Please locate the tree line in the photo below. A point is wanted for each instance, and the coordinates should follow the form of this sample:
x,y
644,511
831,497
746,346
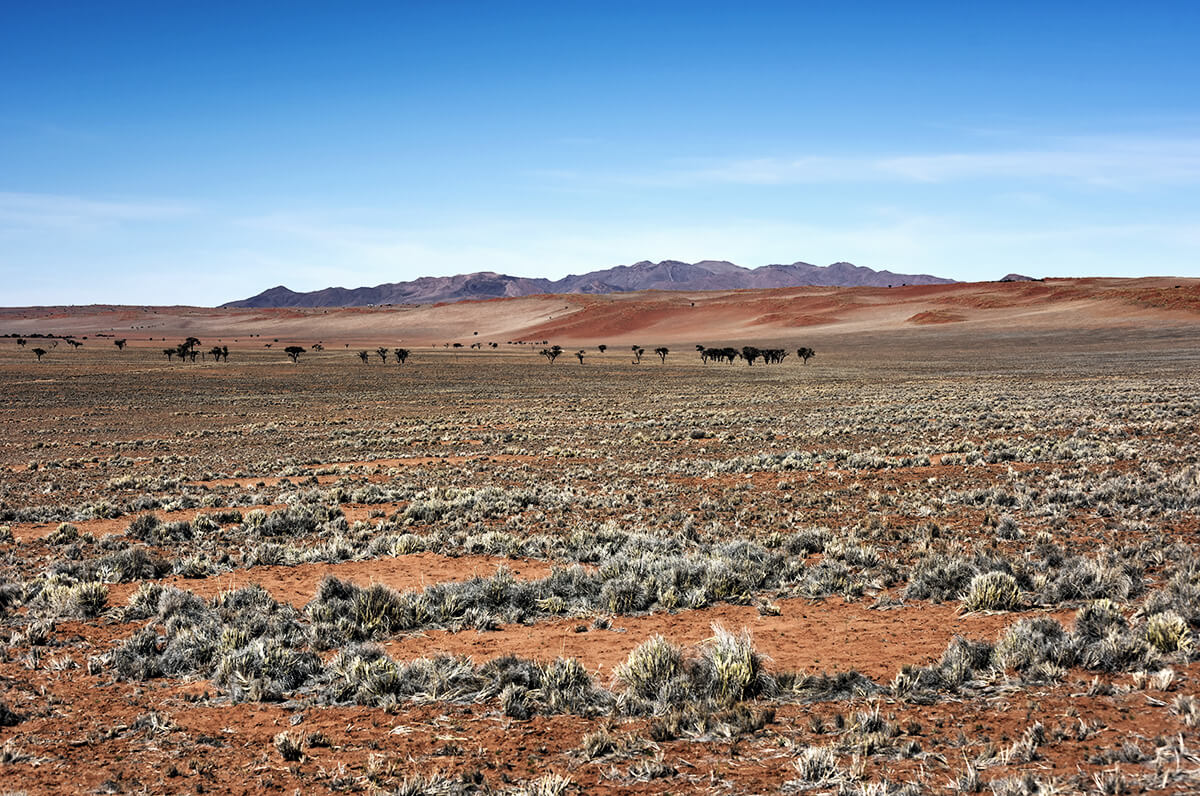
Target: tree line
x,y
751,354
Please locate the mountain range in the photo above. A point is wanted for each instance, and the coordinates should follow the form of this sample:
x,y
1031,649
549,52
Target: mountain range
x,y
645,275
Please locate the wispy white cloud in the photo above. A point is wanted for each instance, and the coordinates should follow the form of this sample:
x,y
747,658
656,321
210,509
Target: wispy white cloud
x,y
1117,162
56,211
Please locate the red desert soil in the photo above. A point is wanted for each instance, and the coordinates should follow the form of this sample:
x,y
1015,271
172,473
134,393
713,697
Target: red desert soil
x,y
26,531
297,585
650,316
831,635
228,748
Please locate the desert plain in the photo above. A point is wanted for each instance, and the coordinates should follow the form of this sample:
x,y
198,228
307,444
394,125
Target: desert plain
x,y
953,552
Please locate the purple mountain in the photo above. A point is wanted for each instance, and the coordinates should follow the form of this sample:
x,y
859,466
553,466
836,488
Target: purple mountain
x,y
666,275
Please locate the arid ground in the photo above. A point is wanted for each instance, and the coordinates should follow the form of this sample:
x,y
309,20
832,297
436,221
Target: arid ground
x,y
956,551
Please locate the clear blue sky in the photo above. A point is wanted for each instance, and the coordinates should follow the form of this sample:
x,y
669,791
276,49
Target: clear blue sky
x,y
171,152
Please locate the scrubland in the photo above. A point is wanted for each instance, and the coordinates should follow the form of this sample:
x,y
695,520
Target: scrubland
x,y
923,562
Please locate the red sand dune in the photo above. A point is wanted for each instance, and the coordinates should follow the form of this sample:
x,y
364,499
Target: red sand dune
x,y
937,316
652,316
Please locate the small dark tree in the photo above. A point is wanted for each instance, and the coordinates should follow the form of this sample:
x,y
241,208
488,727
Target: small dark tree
x,y
551,353
21,341
382,352
294,351
602,348
364,356
41,352
401,355
805,353
662,352
170,352
225,352
216,353
637,354
579,356
318,347
750,353
120,344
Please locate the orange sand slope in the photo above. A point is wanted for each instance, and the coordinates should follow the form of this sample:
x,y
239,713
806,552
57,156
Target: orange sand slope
x,y
665,317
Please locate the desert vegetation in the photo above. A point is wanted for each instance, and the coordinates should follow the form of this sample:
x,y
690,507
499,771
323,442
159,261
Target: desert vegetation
x,y
903,568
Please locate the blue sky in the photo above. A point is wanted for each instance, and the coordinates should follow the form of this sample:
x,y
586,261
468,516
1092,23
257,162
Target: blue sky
x,y
169,152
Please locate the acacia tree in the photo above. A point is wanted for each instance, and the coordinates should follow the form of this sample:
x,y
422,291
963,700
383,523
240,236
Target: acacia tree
x,y
41,352
21,341
602,348
805,353
170,352
662,352
120,344
579,355
750,353
364,356
294,351
401,354
552,353
383,352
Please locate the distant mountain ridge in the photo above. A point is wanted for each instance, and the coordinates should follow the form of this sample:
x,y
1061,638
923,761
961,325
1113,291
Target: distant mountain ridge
x,y
645,275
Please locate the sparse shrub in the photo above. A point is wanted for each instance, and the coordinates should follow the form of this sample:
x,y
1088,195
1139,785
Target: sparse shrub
x,y
1168,632
289,747
88,600
1086,579
650,769
1187,708
552,784
992,591
824,687
515,702
597,744
938,578
81,600
730,670
9,718
652,670
568,688
817,764
1096,620
66,533
1033,641
264,670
